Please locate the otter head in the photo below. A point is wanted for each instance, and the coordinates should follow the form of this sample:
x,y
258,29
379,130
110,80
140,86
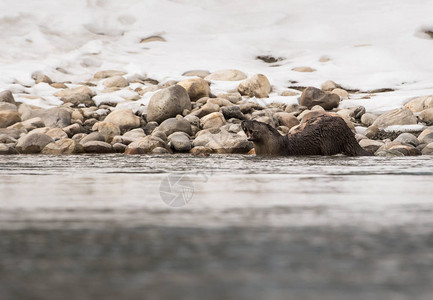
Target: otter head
x,y
267,140
254,130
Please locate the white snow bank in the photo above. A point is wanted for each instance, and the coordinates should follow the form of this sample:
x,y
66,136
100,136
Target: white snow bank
x,y
371,44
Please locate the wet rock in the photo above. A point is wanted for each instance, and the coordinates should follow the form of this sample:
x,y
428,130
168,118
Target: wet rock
x,y
76,96
6,96
93,136
227,75
107,129
303,69
9,117
108,73
399,116
426,116
172,125
407,150
64,146
286,119
116,82
222,141
201,151
198,73
180,142
7,149
407,139
54,117
313,96
125,119
145,145
168,103
420,103
389,153
160,150
232,112
329,85
426,136
97,147
213,120
256,86
196,88
428,149
119,148
33,143
370,145
368,119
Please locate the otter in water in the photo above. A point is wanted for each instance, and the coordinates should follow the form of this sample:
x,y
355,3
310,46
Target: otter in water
x,y
321,135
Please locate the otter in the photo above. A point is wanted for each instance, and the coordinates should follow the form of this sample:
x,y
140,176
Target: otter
x,y
321,135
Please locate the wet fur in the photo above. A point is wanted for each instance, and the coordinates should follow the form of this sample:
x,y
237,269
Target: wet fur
x,y
322,135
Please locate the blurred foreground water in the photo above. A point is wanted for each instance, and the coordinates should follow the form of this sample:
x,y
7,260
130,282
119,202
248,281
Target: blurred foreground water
x,y
90,226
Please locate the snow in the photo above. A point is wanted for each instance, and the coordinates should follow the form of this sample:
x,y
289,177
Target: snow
x,y
371,44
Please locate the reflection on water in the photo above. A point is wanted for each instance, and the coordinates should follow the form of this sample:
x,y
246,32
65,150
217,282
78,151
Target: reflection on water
x,y
254,228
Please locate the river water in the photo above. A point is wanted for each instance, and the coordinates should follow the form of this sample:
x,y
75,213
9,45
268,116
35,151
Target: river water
x,y
218,227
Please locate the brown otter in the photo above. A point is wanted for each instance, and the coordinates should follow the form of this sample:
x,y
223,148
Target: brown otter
x,y
321,135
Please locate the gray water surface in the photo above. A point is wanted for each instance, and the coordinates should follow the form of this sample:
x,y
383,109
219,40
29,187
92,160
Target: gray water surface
x,y
97,226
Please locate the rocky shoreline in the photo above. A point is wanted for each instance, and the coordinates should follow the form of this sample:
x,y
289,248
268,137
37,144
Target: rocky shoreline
x,y
186,117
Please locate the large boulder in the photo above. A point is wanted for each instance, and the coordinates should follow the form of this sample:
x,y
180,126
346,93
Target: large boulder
x,y
168,103
407,138
9,117
54,117
426,136
222,141
399,116
6,96
125,119
172,125
33,143
64,146
227,75
428,150
76,96
420,103
256,86
312,96
196,88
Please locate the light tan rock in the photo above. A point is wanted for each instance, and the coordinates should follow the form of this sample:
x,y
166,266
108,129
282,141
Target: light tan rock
x,y
198,73
340,92
76,96
9,117
108,73
63,146
303,69
116,82
370,145
368,119
420,103
286,119
33,143
107,129
125,119
329,85
426,116
256,86
227,75
213,120
399,116
168,103
196,88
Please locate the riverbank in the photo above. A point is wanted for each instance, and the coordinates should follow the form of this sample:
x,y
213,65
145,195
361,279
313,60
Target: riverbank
x,y
200,114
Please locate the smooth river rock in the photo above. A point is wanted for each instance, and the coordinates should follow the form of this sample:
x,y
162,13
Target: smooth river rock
x,y
33,143
196,88
257,86
168,103
312,96
399,116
